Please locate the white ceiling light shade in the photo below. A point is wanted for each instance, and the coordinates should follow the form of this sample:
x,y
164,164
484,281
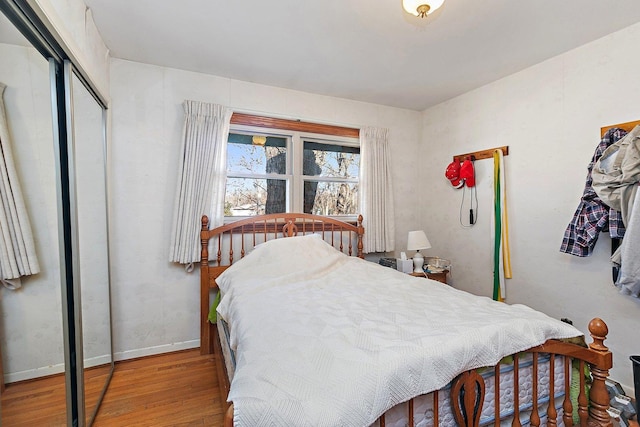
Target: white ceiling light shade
x,y
421,8
259,140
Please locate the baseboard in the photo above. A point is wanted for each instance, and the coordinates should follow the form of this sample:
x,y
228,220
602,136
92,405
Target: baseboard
x,y
31,374
152,351
46,371
97,361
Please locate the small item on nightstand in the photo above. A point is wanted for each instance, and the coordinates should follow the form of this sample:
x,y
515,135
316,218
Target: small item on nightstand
x,y
415,241
403,264
436,264
388,262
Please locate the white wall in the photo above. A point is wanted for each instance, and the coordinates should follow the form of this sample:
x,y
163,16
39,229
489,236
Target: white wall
x,y
550,117
155,303
73,21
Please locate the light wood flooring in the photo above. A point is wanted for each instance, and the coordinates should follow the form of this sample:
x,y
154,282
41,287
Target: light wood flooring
x,y
173,389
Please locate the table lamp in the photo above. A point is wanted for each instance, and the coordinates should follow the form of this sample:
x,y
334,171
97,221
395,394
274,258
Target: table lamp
x,y
417,240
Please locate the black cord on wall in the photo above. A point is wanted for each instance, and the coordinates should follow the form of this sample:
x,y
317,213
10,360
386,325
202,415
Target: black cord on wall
x,y
473,211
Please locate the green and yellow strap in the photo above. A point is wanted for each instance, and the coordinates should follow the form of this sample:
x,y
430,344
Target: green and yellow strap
x,y
501,255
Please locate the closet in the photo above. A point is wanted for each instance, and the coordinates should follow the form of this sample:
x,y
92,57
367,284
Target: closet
x,y
58,323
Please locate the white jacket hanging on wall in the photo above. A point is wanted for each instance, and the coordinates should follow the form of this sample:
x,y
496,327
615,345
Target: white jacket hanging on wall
x,y
616,176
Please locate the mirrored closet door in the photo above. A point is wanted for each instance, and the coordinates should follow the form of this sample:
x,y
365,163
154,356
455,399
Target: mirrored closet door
x,y
89,162
31,332
55,332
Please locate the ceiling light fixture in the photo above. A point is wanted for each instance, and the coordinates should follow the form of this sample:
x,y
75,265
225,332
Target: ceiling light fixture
x,y
421,8
259,140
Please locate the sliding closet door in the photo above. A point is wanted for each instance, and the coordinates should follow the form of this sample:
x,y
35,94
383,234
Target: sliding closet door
x,y
31,326
87,159
59,320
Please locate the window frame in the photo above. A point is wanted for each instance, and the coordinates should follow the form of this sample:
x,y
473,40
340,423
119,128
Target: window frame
x,y
289,167
296,133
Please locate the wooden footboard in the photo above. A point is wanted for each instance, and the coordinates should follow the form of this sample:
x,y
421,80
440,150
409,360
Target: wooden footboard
x,y
468,389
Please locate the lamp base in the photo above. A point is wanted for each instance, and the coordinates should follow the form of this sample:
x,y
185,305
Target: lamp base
x,y
418,262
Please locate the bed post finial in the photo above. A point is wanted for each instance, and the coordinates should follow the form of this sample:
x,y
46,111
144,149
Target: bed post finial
x,y
599,331
599,396
205,223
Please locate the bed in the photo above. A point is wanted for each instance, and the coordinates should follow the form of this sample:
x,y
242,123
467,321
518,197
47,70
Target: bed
x,y
315,335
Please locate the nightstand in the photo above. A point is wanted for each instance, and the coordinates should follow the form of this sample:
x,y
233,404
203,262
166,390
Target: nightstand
x,y
440,277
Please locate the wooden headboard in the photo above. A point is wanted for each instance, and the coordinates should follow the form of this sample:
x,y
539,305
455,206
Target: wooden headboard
x,y
233,241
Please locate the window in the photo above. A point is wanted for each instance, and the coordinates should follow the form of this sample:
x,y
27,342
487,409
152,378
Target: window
x,y
257,174
330,178
275,170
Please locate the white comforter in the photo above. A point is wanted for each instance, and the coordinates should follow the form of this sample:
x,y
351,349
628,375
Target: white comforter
x,y
323,339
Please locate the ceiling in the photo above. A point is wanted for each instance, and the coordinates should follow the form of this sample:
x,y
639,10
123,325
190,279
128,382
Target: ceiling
x,y
9,34
368,51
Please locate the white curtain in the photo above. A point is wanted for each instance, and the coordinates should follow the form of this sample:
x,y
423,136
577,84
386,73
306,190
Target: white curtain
x,y
17,248
376,190
201,178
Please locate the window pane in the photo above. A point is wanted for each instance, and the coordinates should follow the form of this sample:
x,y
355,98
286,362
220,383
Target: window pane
x,y
249,196
330,160
330,198
245,156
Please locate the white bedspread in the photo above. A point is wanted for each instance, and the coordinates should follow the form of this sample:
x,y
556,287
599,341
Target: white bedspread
x,y
323,339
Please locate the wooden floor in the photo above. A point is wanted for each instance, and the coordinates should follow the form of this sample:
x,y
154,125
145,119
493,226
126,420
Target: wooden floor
x,y
173,389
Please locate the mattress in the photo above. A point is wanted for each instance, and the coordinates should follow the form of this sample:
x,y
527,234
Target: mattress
x,y
227,353
424,405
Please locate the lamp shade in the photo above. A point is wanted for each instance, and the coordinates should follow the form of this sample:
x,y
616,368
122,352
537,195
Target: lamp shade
x,y
417,7
417,240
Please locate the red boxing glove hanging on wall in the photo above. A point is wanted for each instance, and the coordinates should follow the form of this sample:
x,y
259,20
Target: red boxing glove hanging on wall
x,y
453,174
467,173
